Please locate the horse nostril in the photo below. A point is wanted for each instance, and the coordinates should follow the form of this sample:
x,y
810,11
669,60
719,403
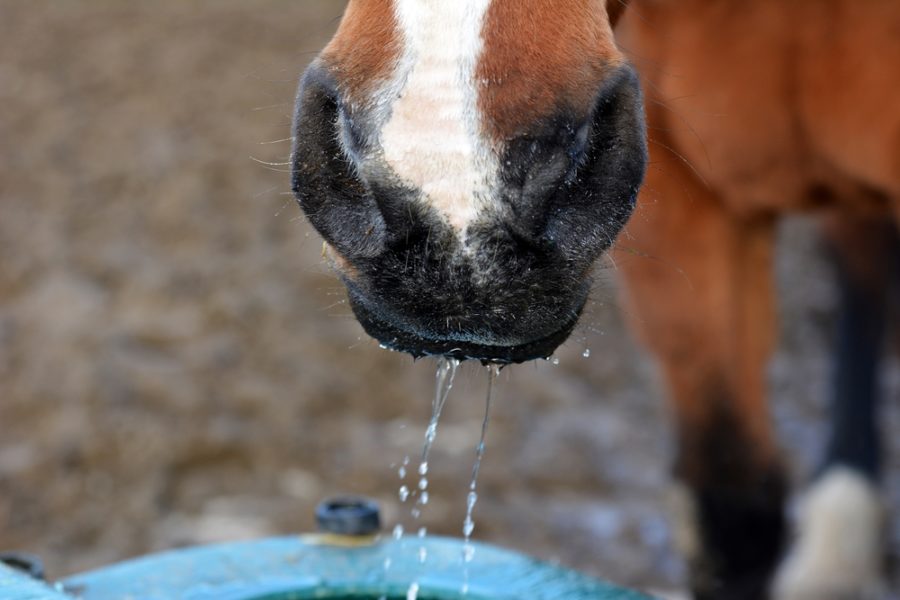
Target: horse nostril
x,y
599,193
352,134
336,200
534,167
576,178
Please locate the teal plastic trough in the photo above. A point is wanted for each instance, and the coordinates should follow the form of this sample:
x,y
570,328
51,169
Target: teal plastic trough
x,y
323,566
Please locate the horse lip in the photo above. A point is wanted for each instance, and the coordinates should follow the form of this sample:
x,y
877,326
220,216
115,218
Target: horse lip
x,y
395,338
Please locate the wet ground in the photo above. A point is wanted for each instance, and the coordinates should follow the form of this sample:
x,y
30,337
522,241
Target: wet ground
x,y
177,366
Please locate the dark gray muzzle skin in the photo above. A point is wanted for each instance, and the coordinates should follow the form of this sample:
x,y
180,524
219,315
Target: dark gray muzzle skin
x,y
516,290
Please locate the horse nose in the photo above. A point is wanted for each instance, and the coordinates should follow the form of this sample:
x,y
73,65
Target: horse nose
x,y
511,285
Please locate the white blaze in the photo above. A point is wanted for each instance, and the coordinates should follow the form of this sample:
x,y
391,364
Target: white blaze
x,y
432,138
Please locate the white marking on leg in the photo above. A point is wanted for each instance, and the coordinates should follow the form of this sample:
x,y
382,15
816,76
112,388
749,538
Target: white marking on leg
x,y
685,523
839,550
432,138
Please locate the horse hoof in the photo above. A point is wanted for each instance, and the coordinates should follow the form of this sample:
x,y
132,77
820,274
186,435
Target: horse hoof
x,y
838,552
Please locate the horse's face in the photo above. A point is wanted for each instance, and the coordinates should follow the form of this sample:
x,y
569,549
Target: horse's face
x,y
466,162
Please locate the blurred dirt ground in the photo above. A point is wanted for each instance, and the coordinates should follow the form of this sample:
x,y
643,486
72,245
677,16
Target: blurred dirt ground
x,y
178,367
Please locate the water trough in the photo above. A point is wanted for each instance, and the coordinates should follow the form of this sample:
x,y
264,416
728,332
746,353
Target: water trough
x,y
327,566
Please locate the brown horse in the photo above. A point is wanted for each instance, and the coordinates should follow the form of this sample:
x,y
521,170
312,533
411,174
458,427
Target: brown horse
x,y
468,161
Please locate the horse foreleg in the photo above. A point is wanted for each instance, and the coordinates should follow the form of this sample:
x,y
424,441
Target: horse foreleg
x,y
699,290
839,549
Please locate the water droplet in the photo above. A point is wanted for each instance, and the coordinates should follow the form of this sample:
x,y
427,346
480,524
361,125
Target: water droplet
x,y
402,472
413,592
471,500
423,554
416,513
403,493
423,484
554,360
586,353
423,497
468,527
398,532
423,468
468,553
423,531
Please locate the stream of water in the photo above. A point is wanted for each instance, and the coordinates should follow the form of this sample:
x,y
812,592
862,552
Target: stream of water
x,y
444,377
472,497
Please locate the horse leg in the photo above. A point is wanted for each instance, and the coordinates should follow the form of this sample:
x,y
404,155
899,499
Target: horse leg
x,y
839,549
698,287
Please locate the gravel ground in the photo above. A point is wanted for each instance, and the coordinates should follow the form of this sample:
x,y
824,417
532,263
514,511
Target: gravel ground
x,y
177,366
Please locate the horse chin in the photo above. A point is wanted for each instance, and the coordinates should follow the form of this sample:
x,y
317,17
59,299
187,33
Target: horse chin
x,y
402,338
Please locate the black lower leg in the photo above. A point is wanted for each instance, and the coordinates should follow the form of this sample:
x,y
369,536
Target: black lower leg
x,y
854,440
739,502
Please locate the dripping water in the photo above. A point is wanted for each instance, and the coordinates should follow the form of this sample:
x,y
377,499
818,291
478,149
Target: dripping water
x,y
413,592
472,496
444,376
446,373
403,493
